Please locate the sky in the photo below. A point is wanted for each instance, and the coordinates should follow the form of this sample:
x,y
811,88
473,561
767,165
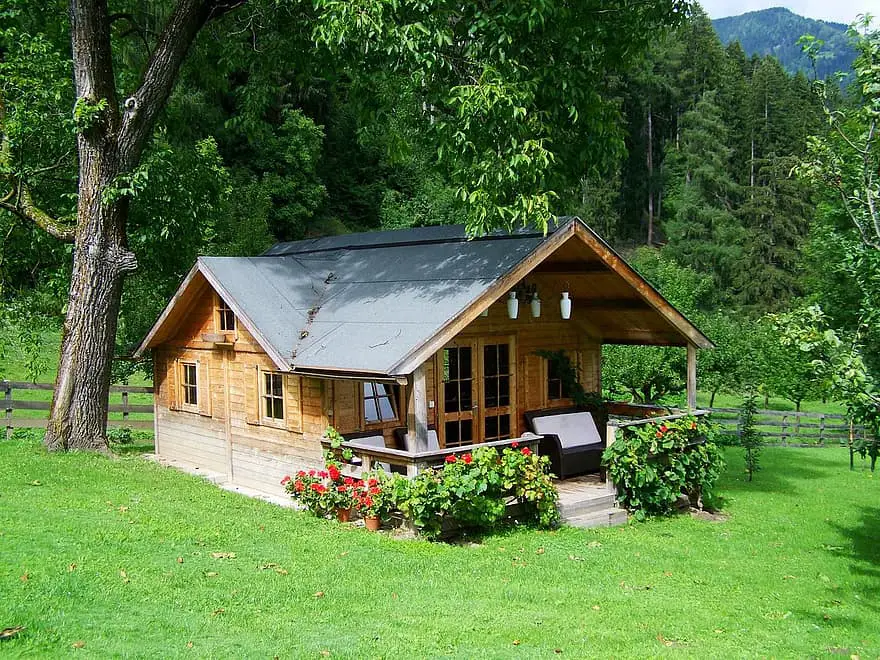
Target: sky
x,y
839,11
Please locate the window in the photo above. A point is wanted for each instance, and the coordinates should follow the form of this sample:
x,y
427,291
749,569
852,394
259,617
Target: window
x,y
457,379
557,385
225,317
273,395
190,384
380,403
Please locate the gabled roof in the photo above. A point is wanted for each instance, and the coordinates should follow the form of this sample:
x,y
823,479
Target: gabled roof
x,y
380,303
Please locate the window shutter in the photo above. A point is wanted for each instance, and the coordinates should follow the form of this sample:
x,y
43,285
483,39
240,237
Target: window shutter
x,y
203,367
173,390
252,395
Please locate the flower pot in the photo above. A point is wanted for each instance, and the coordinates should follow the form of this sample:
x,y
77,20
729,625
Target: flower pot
x,y
372,523
343,515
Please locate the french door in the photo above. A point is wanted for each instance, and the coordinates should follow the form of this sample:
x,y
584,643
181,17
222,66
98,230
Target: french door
x,y
477,391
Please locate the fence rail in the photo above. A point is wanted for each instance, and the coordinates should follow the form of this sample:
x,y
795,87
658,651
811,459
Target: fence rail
x,y
10,404
789,428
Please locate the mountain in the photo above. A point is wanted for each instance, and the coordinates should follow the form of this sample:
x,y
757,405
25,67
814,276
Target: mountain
x,y
776,32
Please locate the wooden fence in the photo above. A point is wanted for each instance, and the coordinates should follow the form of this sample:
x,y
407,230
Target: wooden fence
x,y
10,404
794,428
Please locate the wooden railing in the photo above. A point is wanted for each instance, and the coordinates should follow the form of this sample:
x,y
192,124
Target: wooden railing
x,y
786,428
10,404
414,462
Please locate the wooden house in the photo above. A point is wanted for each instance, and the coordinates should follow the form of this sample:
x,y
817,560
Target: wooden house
x,y
255,356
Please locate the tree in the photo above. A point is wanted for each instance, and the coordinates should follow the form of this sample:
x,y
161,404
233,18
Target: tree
x,y
111,134
749,436
513,101
843,163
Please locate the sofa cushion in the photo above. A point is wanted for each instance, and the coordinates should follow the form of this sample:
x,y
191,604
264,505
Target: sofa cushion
x,y
576,429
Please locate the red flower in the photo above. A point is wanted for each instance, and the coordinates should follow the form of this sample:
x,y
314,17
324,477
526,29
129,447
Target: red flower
x,y
467,458
299,486
659,434
285,480
301,473
367,501
334,473
311,473
526,451
322,474
372,483
450,458
514,444
348,481
374,491
664,428
342,489
318,488
693,425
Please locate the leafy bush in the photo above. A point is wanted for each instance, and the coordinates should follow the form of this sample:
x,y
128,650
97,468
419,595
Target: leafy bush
x,y
749,436
653,464
474,489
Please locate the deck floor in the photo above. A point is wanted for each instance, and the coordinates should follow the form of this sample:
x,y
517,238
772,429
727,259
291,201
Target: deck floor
x,y
578,489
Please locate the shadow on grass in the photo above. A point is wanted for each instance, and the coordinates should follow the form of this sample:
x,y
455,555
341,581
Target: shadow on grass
x,y
864,550
774,479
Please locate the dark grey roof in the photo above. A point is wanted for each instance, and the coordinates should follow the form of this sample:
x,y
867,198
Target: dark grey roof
x,y
331,304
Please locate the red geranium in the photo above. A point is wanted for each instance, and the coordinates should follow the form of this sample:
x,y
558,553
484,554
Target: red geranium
x,y
372,483
299,486
322,474
348,481
664,428
514,444
334,473
285,480
451,458
467,458
311,473
526,451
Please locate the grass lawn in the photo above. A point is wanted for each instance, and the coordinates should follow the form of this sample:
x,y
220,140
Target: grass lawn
x,y
116,554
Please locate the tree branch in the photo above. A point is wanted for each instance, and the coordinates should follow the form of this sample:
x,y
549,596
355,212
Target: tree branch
x,y
22,205
143,107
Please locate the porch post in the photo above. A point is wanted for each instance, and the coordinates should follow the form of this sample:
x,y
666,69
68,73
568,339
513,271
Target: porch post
x,y
691,377
417,410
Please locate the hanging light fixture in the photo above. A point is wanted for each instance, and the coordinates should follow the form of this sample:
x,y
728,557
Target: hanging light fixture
x,y
536,306
512,305
565,306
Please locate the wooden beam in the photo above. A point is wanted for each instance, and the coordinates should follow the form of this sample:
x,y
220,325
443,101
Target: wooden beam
x,y
653,297
572,267
691,377
611,304
417,410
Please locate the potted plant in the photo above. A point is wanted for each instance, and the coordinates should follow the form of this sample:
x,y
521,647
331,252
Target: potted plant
x,y
374,500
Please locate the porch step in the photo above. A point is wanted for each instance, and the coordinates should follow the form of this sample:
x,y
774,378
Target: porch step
x,y
570,507
609,517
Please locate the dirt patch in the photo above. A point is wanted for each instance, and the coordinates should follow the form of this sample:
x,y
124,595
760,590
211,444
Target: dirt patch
x,y
709,516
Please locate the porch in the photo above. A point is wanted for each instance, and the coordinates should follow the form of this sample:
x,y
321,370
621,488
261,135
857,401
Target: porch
x,y
585,500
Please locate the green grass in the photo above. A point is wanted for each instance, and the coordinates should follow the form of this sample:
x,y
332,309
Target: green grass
x,y
90,550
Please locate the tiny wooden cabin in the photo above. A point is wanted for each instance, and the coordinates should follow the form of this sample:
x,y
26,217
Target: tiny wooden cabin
x,y
255,357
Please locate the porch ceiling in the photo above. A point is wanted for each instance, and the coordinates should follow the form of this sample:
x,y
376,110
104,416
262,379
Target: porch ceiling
x,y
602,298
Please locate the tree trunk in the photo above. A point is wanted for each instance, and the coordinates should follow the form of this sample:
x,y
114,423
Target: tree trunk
x,y
109,144
650,165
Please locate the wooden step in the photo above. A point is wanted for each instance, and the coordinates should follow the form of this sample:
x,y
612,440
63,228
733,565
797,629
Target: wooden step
x,y
610,517
571,507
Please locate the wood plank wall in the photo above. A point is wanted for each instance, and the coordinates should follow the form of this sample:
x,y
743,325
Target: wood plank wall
x,y
259,450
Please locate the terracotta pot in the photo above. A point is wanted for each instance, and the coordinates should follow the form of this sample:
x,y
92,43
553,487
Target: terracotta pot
x,y
343,515
372,524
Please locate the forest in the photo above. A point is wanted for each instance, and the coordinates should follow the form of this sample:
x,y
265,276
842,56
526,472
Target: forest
x,y
748,195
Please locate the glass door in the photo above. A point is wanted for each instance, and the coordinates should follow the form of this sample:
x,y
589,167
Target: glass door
x,y
459,404
477,392
497,407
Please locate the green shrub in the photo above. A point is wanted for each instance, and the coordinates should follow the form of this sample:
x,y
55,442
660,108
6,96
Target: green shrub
x,y
473,490
653,464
